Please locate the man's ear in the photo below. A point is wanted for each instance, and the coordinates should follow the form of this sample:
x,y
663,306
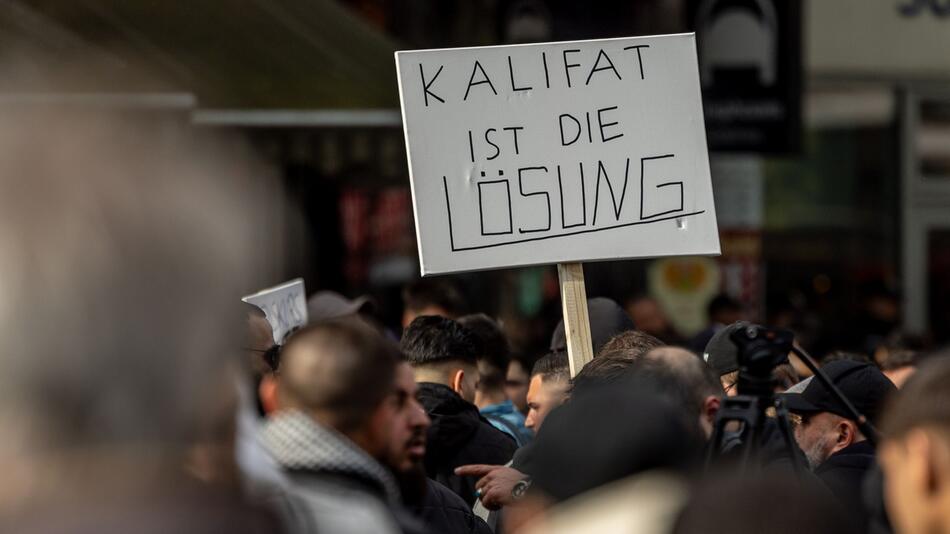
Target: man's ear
x,y
267,391
847,434
456,381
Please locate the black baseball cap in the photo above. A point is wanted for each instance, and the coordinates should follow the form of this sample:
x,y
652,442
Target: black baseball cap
x,y
862,383
721,352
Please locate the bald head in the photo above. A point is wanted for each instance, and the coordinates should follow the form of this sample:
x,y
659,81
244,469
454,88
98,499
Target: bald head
x,y
690,367
687,378
338,372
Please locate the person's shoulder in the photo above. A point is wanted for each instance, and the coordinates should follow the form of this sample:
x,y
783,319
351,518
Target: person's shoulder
x,y
334,507
438,495
447,511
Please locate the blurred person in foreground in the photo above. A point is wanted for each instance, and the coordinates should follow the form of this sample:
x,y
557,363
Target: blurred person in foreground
x,y
493,361
443,357
346,410
837,451
431,296
915,453
770,502
439,509
125,242
591,474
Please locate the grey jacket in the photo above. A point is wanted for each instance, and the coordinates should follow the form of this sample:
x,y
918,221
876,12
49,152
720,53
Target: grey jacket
x,y
333,485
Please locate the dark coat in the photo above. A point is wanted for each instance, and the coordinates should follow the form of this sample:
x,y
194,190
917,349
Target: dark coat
x,y
459,435
442,511
844,474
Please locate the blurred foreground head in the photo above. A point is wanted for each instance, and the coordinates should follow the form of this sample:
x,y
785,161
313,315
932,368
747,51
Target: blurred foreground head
x,y
125,243
767,502
915,454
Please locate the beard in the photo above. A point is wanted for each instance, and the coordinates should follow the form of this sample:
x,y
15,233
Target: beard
x,y
819,451
413,484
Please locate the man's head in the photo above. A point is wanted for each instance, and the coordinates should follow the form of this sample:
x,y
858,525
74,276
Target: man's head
x,y
695,383
647,314
722,354
493,357
407,444
550,382
915,454
897,363
629,345
518,378
826,425
431,296
607,319
723,309
348,377
442,351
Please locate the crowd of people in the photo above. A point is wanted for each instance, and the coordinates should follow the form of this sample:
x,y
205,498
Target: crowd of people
x,y
439,429
137,396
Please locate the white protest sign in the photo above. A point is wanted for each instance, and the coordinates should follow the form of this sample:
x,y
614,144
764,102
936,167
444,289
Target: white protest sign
x,y
284,306
557,152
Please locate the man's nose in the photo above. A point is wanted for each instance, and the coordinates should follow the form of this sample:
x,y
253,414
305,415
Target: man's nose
x,y
420,418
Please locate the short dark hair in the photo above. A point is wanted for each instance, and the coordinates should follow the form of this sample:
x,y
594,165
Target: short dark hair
x,y
553,366
629,345
341,369
602,370
897,358
431,339
491,347
440,292
923,401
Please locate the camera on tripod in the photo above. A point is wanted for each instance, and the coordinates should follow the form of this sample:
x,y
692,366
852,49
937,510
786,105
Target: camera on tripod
x,y
760,350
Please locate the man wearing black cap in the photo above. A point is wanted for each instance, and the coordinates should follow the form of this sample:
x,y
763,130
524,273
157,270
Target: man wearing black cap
x,y
722,354
607,319
831,440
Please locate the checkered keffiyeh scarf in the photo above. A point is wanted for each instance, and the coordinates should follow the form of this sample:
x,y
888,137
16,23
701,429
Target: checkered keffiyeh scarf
x,y
297,442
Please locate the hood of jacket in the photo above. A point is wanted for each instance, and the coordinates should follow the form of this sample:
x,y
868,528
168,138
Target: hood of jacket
x,y
454,420
298,443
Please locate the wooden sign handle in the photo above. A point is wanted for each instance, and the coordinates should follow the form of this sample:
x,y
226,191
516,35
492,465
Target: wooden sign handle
x,y
576,320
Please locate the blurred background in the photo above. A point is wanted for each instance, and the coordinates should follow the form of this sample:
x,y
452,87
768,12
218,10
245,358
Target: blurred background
x,y
828,123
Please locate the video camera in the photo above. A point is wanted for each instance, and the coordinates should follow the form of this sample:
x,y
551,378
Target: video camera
x,y
760,350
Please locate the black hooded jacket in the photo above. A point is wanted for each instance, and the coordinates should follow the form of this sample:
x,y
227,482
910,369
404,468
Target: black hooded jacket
x,y
459,435
844,471
445,512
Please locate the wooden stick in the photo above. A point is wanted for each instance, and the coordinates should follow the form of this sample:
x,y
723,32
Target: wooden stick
x,y
576,320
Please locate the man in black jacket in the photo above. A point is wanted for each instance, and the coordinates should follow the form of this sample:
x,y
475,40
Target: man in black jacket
x,y
836,449
442,354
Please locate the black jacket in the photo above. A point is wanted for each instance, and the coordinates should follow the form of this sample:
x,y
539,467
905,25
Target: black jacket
x,y
445,512
459,435
844,474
